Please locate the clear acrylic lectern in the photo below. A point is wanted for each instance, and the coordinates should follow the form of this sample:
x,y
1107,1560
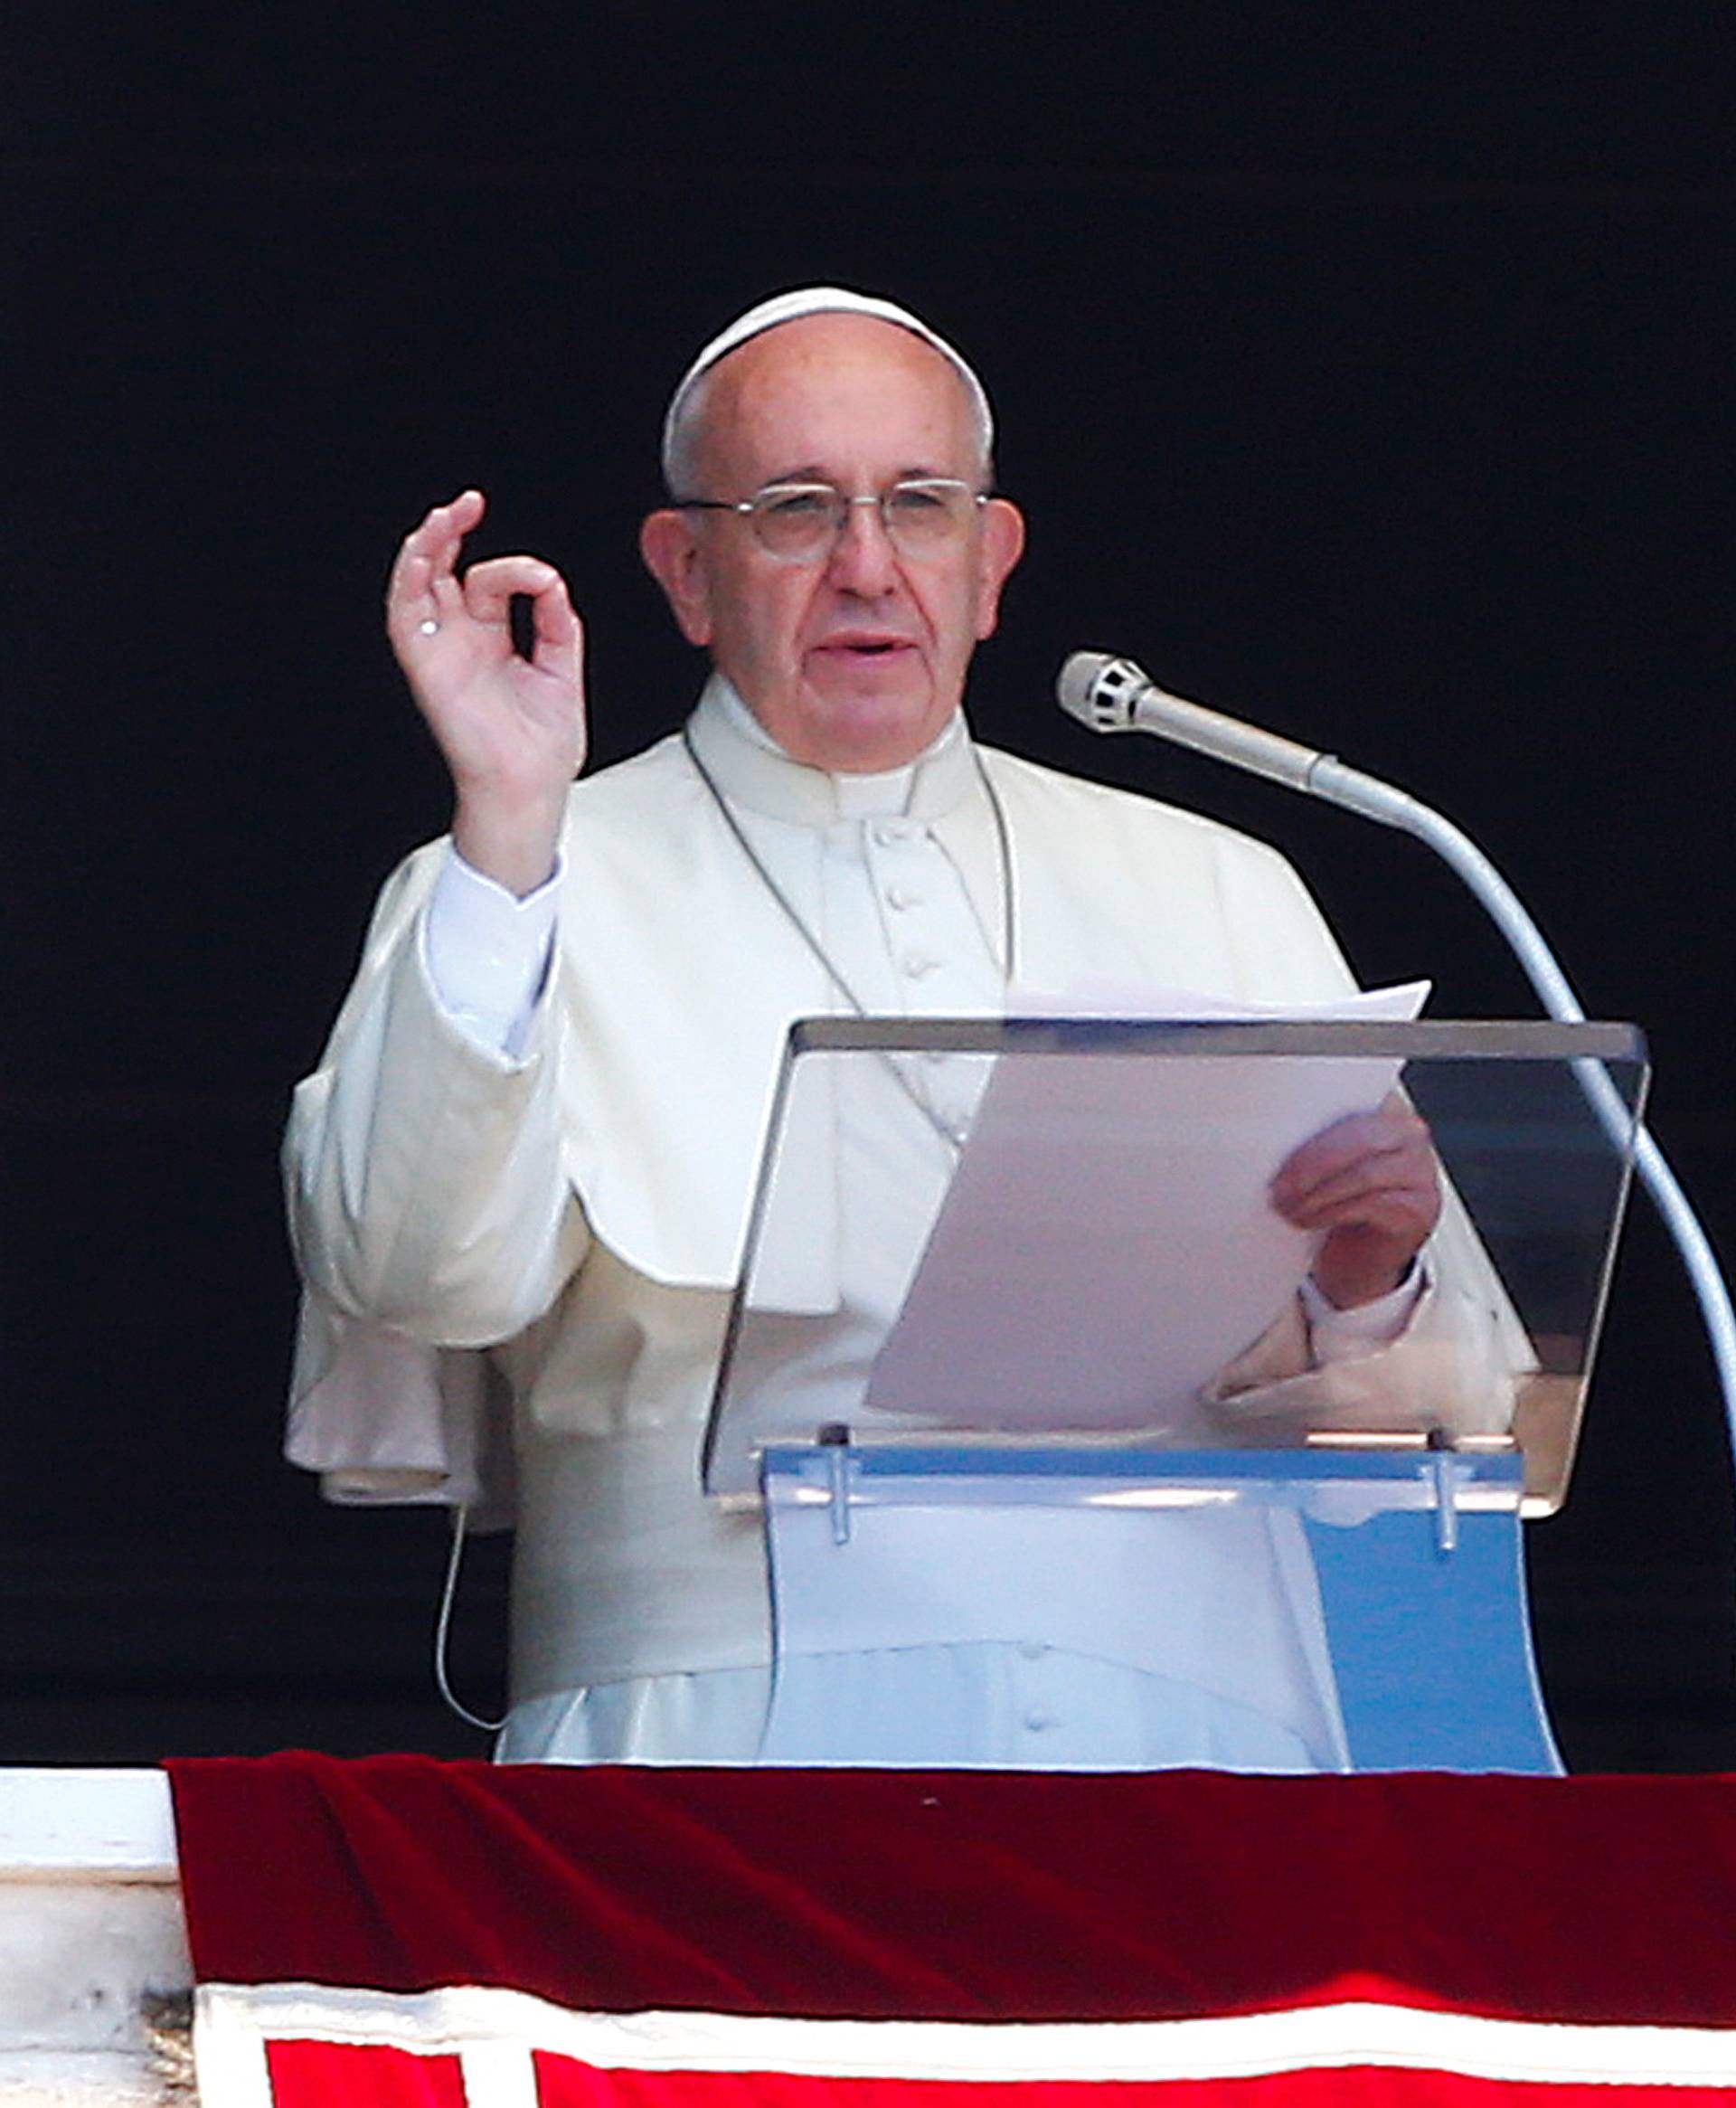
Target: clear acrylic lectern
x,y
1019,1359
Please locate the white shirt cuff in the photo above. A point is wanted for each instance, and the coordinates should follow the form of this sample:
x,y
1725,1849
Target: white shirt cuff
x,y
1336,1335
488,953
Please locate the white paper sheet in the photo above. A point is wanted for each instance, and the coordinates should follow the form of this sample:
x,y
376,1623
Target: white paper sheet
x,y
1107,1244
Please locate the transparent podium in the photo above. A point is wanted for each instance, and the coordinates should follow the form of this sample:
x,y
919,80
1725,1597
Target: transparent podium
x,y
1060,1463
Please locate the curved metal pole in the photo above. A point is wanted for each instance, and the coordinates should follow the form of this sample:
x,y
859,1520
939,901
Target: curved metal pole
x,y
1333,780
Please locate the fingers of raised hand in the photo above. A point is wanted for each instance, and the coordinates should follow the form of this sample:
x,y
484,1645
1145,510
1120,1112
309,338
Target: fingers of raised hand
x,y
423,586
558,629
490,589
419,597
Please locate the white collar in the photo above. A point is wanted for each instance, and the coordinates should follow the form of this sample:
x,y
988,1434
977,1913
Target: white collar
x,y
752,769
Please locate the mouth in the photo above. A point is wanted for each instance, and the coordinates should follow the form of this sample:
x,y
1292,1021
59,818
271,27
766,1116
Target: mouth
x,y
864,647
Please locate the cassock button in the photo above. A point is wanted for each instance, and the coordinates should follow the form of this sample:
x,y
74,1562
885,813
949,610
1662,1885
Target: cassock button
x,y
901,896
918,963
1036,1722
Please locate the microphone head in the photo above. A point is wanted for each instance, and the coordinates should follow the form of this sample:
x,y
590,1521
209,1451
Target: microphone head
x,y
1100,690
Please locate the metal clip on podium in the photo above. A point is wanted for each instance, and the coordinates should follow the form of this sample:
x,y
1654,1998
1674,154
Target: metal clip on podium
x,y
1016,1358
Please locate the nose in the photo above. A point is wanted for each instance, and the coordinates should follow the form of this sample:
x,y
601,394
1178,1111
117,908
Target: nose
x,y
864,560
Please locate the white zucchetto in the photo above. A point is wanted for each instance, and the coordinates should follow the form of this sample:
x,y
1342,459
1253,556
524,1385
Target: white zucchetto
x,y
792,307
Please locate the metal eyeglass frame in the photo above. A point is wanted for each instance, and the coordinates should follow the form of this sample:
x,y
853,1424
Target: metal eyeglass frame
x,y
756,510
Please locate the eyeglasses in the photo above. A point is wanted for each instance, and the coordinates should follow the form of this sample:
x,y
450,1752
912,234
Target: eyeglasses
x,y
923,516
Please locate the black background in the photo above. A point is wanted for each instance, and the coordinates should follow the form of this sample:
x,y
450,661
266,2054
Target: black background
x,y
1362,369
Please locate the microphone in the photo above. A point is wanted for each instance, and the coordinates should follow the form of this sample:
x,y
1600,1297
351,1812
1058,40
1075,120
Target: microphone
x,y
1113,695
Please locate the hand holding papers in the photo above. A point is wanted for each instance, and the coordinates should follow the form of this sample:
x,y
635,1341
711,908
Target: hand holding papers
x,y
1108,1240
1369,1187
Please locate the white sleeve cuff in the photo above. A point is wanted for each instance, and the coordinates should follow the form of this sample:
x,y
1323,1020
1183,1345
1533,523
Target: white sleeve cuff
x,y
488,953
1336,1335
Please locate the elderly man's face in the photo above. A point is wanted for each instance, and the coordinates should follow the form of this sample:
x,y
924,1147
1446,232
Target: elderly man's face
x,y
855,658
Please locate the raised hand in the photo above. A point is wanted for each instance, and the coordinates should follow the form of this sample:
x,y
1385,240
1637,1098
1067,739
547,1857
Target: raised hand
x,y
1372,1184
512,730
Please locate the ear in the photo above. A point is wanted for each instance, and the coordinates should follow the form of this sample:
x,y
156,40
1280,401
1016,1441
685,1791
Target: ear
x,y
1002,545
673,557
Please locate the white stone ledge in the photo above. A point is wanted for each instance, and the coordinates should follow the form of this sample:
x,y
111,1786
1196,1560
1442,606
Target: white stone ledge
x,y
92,1942
35,2081
101,1825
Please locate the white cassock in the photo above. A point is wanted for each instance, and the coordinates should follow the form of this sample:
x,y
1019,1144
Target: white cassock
x,y
559,1175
